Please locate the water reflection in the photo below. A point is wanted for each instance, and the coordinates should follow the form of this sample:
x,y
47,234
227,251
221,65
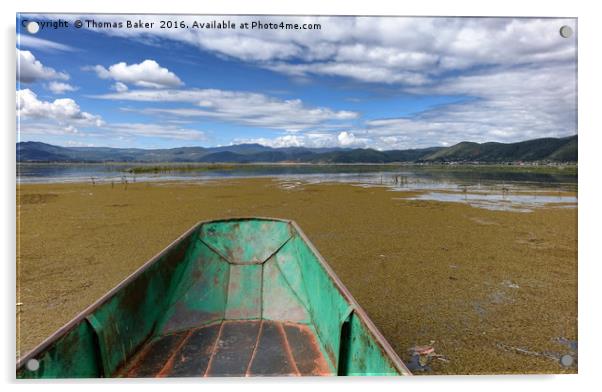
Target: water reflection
x,y
501,201
400,176
496,188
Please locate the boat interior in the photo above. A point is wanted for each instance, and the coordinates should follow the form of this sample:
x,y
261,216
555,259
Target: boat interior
x,y
241,297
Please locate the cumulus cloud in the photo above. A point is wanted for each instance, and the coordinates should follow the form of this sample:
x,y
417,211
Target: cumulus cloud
x,y
493,111
546,107
251,109
63,117
145,74
514,78
344,139
60,87
63,111
398,50
29,69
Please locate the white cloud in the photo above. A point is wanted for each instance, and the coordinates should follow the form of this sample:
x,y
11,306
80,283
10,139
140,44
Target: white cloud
x,y
63,117
60,87
519,73
42,44
39,127
346,138
63,111
119,87
251,109
164,131
546,107
71,129
402,50
310,139
277,142
145,74
362,72
29,69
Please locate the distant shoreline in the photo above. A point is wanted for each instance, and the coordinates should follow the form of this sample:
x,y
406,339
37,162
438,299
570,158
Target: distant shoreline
x,y
164,167
561,150
127,172
521,164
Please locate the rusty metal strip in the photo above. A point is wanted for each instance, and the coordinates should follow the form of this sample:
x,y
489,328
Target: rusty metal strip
x,y
154,356
287,349
169,364
248,371
214,350
237,342
130,365
316,364
193,358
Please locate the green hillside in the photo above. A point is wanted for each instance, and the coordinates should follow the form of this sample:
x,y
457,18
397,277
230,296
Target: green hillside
x,y
547,149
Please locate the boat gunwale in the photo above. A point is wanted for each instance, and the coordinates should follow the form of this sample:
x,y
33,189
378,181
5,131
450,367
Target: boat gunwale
x,y
357,309
363,316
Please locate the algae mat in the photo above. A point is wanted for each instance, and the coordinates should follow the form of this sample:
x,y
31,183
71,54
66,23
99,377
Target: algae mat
x,y
492,291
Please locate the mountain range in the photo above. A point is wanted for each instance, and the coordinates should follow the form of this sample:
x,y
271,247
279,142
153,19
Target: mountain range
x,y
545,149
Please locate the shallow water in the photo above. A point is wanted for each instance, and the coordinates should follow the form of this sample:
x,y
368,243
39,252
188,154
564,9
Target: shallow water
x,y
509,194
493,188
501,201
401,175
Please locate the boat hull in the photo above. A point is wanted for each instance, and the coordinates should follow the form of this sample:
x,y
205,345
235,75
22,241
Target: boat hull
x,y
236,297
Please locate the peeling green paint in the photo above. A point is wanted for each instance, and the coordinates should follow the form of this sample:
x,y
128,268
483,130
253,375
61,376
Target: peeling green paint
x,y
240,269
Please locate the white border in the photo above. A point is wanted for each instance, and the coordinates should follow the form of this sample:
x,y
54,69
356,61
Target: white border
x,y
589,184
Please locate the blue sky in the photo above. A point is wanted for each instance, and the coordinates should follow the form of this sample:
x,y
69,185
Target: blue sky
x,y
382,83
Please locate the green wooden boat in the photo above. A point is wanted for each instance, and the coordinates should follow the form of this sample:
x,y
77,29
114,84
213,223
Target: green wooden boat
x,y
236,297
